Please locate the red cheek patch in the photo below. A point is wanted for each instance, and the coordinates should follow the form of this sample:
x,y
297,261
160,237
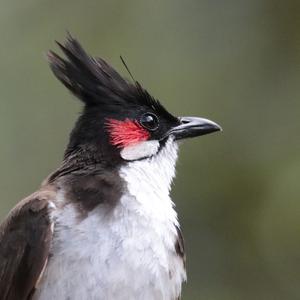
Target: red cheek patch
x,y
125,133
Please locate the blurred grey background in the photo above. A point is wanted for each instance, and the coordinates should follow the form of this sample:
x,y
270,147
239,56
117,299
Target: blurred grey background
x,y
236,62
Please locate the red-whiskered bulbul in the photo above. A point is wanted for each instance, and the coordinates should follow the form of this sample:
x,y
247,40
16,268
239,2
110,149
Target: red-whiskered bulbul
x,y
103,225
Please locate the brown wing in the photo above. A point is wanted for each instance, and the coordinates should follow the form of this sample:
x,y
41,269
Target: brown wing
x,y
25,238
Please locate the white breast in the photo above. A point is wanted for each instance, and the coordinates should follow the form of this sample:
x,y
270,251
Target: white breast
x,y
127,253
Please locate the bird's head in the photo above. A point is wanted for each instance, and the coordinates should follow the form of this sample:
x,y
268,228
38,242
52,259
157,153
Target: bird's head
x,y
121,121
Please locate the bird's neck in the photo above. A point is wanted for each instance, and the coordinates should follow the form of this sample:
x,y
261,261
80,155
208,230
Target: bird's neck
x,y
147,181
153,175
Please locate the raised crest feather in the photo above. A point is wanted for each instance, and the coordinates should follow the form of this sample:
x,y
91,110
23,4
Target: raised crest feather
x,y
94,81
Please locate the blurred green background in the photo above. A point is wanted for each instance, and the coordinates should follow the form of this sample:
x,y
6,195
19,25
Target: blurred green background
x,y
236,62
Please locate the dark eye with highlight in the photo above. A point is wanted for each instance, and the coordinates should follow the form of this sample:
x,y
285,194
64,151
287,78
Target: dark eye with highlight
x,y
149,121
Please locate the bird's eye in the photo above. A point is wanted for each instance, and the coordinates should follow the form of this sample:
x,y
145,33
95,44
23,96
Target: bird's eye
x,y
149,121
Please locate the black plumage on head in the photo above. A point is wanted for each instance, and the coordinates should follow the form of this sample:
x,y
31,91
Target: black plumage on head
x,y
94,81
106,95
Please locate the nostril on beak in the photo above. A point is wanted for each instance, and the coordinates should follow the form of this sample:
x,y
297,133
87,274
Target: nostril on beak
x,y
184,120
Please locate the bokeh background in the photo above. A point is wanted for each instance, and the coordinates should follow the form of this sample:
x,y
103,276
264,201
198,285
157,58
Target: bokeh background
x,y
236,62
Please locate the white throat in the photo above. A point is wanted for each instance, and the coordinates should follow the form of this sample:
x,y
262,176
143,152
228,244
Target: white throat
x,y
152,176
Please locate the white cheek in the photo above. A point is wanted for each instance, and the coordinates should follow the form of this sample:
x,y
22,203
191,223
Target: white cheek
x,y
140,150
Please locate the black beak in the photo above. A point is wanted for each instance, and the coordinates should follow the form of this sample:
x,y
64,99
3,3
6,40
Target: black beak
x,y
192,126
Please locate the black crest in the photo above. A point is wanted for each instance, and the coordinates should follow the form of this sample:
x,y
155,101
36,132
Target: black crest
x,y
94,81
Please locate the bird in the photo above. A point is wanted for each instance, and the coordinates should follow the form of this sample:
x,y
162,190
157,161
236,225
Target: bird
x,y
103,224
